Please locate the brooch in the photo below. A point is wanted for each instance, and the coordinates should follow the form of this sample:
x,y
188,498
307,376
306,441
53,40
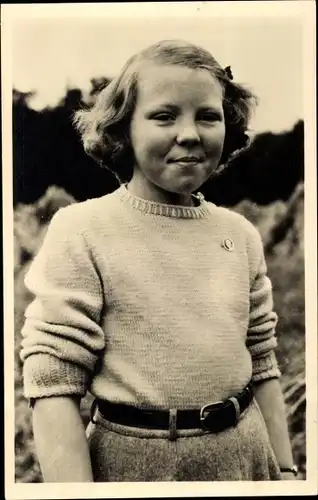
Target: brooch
x,y
228,244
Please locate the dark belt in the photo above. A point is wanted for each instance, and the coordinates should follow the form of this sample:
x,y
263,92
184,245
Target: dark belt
x,y
213,417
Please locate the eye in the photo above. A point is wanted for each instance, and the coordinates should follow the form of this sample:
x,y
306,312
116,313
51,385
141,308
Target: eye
x,y
163,116
209,116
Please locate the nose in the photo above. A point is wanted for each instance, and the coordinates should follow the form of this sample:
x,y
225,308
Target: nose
x,y
188,133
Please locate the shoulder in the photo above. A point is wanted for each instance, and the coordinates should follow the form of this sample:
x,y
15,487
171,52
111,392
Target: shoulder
x,y
237,224
72,238
84,217
236,220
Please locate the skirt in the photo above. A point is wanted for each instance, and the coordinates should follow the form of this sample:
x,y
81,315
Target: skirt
x,y
240,453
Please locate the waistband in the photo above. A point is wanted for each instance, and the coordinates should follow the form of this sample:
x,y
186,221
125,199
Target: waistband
x,y
212,417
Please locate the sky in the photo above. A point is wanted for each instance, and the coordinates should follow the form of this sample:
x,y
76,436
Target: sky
x,y
51,54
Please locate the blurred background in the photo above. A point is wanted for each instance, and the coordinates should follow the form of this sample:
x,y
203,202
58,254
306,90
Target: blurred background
x,y
61,64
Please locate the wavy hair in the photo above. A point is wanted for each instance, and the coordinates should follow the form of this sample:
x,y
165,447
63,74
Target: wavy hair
x,y
104,127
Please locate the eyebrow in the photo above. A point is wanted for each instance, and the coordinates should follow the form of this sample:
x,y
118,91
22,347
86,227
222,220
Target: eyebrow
x,y
212,109
173,107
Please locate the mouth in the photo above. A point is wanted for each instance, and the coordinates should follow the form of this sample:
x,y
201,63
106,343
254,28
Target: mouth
x,y
187,160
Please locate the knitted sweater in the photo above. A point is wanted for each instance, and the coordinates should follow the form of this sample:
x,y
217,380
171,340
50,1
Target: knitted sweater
x,y
145,303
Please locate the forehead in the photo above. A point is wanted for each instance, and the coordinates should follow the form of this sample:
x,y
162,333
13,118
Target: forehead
x,y
180,84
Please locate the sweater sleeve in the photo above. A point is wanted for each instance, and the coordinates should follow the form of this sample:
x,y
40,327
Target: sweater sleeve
x,y
62,337
261,339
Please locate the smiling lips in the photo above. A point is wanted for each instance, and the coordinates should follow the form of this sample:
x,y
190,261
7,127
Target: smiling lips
x,y
187,160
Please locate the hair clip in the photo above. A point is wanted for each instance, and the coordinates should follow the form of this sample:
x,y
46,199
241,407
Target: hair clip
x,y
228,72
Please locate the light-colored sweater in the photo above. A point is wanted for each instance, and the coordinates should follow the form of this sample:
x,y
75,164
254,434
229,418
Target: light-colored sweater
x,y
142,303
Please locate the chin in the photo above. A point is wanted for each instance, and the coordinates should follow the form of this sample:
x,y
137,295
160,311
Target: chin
x,y
187,187
177,189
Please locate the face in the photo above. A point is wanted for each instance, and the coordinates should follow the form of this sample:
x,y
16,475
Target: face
x,y
177,129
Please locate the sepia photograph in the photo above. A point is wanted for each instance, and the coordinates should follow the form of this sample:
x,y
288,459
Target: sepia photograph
x,y
159,174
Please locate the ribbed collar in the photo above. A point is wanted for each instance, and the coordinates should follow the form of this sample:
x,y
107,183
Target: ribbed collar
x,y
166,210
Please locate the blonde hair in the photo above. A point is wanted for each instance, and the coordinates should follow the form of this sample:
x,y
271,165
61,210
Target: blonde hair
x,y
104,128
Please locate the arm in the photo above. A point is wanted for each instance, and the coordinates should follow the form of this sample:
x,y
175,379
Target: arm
x,y
62,340
60,440
261,342
62,335
270,399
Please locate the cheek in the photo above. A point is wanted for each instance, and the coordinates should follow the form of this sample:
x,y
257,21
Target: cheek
x,y
214,141
156,143
147,138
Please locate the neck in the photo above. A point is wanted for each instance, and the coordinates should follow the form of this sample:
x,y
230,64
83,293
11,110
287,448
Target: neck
x,y
149,192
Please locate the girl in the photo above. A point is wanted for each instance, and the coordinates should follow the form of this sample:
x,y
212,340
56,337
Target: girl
x,y
154,300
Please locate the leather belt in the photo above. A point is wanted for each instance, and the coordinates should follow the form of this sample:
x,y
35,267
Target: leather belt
x,y
213,417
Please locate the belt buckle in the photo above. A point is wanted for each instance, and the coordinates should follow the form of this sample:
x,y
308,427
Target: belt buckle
x,y
206,411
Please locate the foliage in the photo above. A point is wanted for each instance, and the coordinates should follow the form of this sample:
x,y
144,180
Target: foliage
x,y
47,151
26,464
267,171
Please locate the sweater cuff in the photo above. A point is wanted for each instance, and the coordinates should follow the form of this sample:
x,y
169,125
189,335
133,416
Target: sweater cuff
x,y
265,367
46,375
